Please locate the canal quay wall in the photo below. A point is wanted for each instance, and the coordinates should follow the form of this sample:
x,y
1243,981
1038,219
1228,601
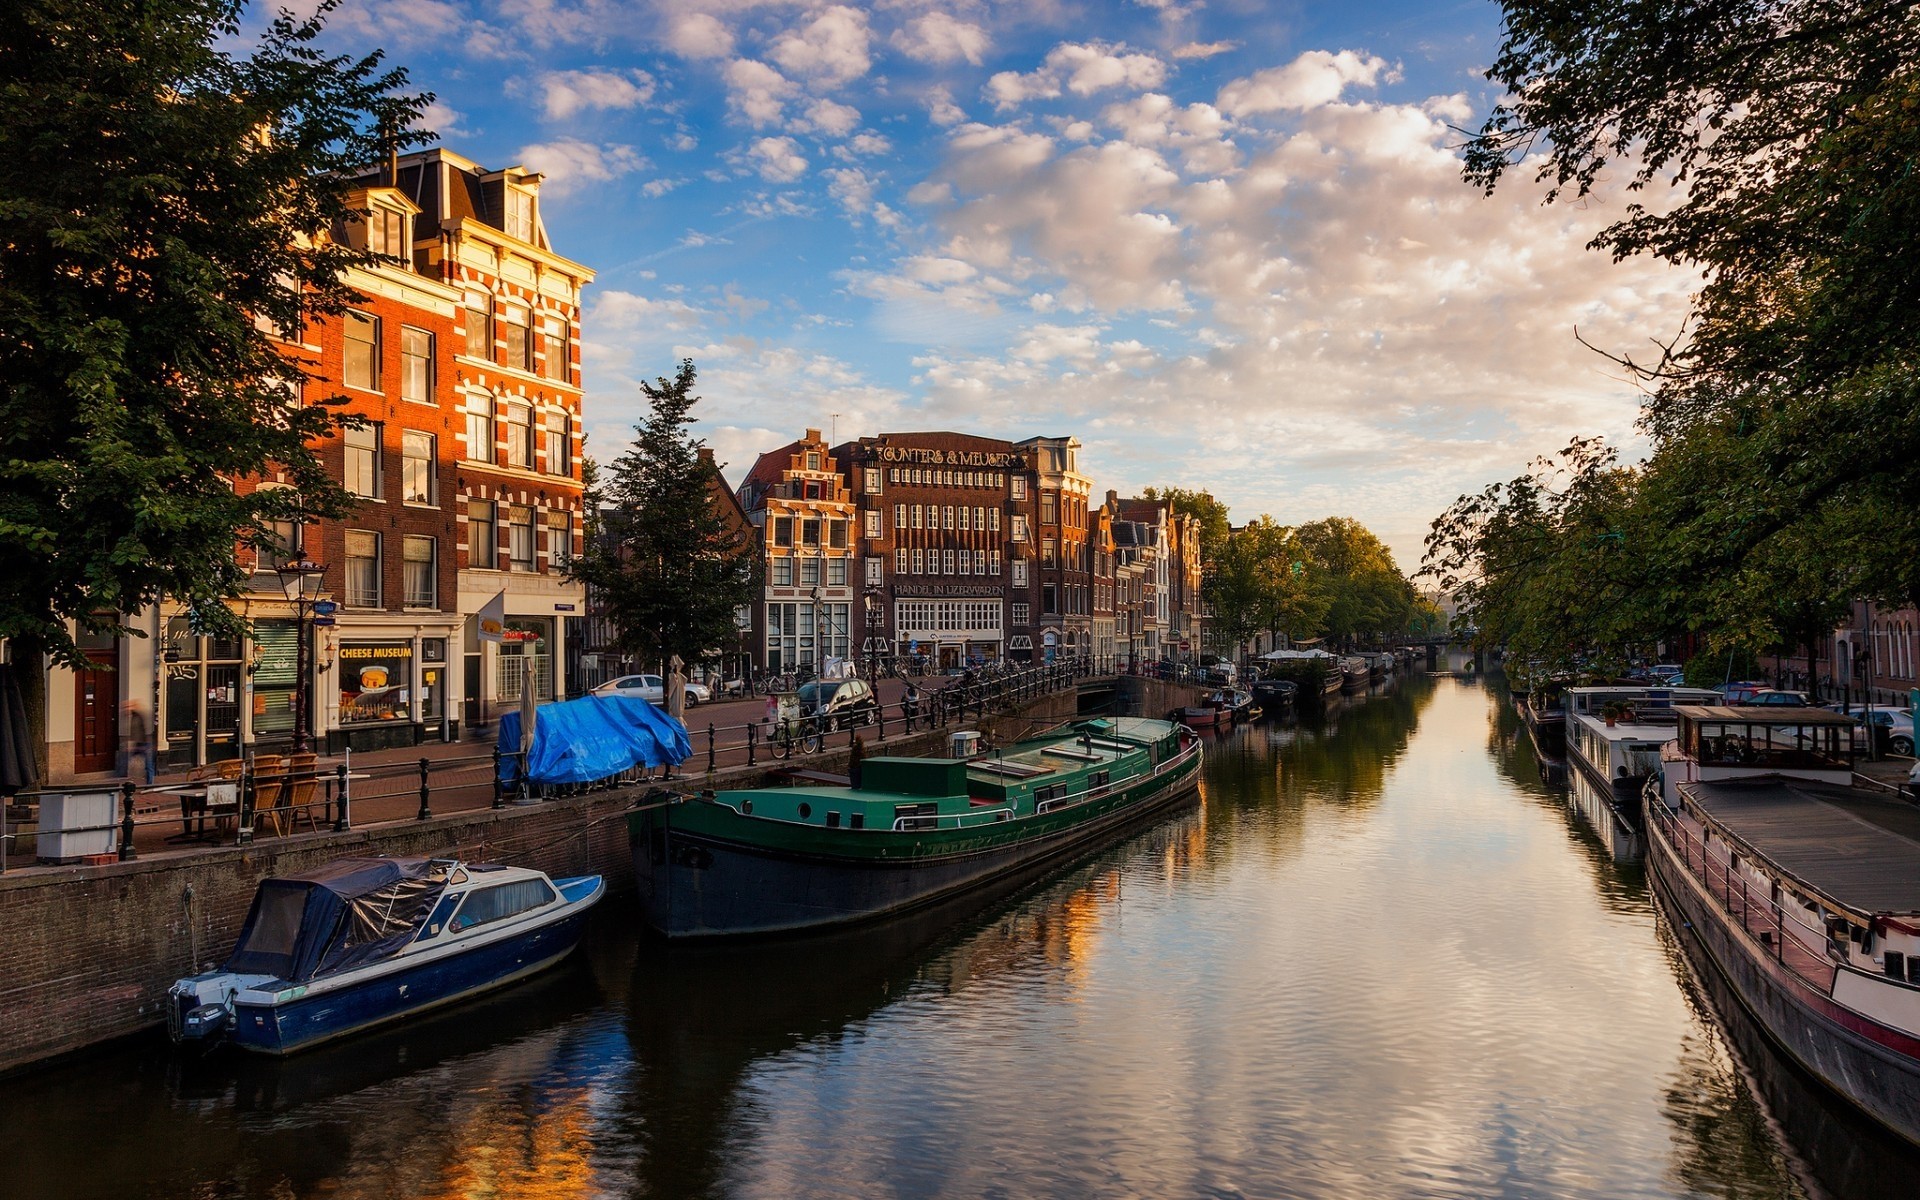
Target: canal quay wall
x,y
87,953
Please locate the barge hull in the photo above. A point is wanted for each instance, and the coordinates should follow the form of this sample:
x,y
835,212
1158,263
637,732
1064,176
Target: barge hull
x,y
696,884
1808,1029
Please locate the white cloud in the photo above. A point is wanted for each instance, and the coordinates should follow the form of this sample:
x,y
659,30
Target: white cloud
x,y
941,109
831,49
564,94
443,120
569,163
1315,78
867,144
699,35
757,92
834,120
777,159
1080,68
1205,49
940,38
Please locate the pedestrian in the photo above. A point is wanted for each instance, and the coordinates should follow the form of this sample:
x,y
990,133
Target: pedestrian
x,y
140,732
856,753
910,704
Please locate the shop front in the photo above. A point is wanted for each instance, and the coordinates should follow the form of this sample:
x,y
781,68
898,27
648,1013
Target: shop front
x,y
376,696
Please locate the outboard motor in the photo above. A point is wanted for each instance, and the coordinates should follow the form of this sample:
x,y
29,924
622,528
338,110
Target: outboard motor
x,y
199,1009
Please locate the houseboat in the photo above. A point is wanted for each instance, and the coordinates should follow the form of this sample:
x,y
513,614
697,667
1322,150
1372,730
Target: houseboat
x,y
360,942
1274,696
911,832
1355,673
1612,738
1797,894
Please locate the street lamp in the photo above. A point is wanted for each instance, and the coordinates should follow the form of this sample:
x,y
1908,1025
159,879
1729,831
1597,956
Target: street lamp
x,y
302,580
873,605
819,595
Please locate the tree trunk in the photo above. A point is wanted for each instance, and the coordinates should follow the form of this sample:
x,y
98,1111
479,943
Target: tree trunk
x,y
30,668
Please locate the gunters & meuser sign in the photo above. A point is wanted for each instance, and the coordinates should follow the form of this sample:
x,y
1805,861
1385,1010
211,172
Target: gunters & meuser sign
x,y
926,456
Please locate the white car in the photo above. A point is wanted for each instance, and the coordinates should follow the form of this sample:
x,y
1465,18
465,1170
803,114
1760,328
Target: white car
x,y
651,689
1898,722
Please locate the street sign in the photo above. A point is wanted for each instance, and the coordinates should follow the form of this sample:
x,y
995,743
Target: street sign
x,y
563,608
324,608
323,620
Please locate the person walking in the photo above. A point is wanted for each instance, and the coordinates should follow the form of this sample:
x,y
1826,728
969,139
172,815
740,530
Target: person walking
x,y
140,730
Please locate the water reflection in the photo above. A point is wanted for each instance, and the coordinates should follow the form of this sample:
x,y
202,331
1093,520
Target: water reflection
x,y
1376,959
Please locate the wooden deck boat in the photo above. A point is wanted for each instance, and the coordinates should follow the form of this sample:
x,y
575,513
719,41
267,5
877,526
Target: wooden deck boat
x,y
1799,893
915,830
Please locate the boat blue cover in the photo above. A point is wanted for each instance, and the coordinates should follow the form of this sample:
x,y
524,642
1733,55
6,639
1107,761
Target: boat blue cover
x,y
335,916
580,741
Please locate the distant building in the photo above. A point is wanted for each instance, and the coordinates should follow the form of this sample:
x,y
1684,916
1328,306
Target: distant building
x,y
1061,595
947,535
1874,657
810,537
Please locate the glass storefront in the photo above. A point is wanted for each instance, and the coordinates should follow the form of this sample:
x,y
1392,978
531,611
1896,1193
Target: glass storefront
x,y
202,695
376,682
527,651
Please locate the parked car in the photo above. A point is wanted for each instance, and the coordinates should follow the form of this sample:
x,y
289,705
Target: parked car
x,y
1770,698
652,689
1898,722
841,703
1670,672
1744,690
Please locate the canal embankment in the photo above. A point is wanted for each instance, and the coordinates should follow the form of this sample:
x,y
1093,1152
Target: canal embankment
x,y
87,952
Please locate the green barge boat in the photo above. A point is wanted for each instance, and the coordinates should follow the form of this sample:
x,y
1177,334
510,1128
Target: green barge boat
x,y
914,832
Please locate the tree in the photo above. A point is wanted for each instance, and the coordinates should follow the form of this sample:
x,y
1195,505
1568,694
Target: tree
x,y
1202,507
1791,127
163,206
1366,594
666,567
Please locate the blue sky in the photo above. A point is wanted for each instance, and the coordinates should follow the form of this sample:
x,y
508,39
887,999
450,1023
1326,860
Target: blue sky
x,y
1223,243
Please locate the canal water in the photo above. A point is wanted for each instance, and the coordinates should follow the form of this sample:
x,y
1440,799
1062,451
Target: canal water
x,y
1377,958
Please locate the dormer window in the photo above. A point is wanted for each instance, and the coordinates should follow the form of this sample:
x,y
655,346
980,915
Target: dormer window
x,y
519,214
387,233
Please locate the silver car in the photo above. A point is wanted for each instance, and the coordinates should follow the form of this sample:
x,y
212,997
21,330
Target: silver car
x,y
652,689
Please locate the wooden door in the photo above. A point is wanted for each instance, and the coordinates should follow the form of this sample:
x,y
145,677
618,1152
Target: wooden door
x,y
96,710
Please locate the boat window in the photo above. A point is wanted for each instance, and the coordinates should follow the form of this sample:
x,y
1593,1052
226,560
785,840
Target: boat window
x,y
438,920
501,901
916,816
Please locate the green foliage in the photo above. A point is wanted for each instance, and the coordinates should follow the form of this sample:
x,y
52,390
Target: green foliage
x,y
161,197
1711,668
1554,564
1209,512
1366,595
666,567
1253,587
1786,426
1786,423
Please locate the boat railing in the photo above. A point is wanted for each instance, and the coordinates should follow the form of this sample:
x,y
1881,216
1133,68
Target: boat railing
x,y
965,820
1780,934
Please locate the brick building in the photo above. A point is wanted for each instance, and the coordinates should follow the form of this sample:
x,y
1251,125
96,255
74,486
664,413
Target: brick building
x,y
1061,597
816,555
515,387
1873,657
460,357
946,526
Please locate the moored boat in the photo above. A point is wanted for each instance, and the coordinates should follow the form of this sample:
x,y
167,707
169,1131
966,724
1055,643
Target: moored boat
x,y
1205,716
1799,893
1355,673
1611,737
914,831
1274,696
363,941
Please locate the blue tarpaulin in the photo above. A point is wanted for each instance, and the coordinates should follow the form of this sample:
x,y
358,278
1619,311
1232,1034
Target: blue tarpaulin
x,y
591,738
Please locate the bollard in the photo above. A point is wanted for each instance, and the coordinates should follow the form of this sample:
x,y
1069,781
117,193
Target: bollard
x,y
126,824
345,821
751,728
709,747
499,788
426,810
880,714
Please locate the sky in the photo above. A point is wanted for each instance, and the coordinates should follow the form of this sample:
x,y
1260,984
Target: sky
x,y
1225,244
